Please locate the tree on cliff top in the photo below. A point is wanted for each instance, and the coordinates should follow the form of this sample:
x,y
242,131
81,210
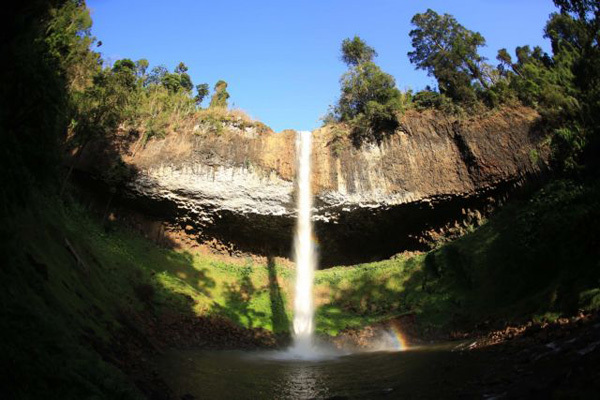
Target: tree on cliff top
x,y
201,92
219,98
448,51
356,51
185,81
69,38
369,98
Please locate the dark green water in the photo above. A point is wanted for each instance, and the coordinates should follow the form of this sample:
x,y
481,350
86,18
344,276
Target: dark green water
x,y
430,372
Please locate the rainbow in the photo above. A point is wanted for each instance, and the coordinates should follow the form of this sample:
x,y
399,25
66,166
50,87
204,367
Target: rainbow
x,y
400,342
315,240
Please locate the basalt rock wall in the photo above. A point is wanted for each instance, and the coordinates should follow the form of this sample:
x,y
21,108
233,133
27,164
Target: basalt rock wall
x,y
370,202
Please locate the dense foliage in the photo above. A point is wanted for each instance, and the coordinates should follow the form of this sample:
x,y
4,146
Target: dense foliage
x,y
575,36
448,51
369,101
356,51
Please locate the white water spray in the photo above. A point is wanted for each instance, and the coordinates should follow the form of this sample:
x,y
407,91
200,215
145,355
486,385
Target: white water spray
x,y
304,250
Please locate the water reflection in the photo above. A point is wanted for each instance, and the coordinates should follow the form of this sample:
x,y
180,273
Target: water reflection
x,y
261,375
302,382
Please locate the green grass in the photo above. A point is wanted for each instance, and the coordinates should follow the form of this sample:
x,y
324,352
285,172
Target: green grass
x,y
352,297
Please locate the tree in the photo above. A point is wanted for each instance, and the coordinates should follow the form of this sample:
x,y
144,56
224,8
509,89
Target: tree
x,y
69,39
369,99
356,51
575,37
181,68
565,88
125,70
574,33
201,93
219,98
361,85
506,63
532,78
448,51
141,66
172,82
124,65
156,75
185,82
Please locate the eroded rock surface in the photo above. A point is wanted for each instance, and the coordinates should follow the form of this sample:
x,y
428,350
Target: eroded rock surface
x,y
370,202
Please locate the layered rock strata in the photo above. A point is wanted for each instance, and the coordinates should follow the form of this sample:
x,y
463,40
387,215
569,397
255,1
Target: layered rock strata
x,y
371,202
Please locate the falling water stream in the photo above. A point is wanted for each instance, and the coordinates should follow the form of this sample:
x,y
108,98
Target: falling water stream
x,y
304,251
308,369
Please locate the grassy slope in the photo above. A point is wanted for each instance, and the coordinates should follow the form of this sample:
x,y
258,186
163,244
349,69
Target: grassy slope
x,y
534,259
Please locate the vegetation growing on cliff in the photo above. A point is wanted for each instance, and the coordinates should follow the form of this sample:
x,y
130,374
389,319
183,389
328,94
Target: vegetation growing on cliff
x,y
562,86
448,51
219,99
128,96
370,101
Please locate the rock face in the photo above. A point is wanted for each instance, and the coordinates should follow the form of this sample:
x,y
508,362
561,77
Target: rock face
x,y
370,202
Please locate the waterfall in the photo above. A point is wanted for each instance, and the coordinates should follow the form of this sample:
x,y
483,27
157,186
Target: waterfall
x,y
304,249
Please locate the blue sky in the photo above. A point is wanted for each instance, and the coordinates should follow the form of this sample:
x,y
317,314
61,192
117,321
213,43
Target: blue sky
x,y
281,58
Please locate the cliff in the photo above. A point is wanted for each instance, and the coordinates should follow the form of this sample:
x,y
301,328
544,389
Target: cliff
x,y
372,202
